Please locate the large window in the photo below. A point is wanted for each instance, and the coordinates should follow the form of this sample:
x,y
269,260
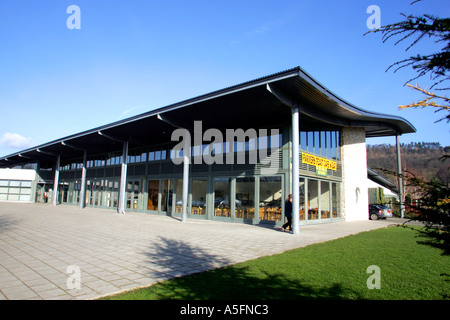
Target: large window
x,y
302,186
166,195
245,198
198,196
325,199
179,196
322,143
222,201
335,191
313,199
270,198
319,199
15,190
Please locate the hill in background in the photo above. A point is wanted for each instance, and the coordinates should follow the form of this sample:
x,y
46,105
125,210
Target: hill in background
x,y
421,158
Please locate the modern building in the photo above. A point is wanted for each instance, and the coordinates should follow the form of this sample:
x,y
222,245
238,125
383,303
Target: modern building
x,y
251,145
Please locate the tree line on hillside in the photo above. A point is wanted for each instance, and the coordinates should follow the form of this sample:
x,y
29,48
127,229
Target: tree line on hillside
x,y
424,159
433,196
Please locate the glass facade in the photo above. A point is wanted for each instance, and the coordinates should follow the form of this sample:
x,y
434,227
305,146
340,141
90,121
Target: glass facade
x,y
240,191
320,199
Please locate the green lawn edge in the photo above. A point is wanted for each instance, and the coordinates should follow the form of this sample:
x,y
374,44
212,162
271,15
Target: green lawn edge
x,y
339,269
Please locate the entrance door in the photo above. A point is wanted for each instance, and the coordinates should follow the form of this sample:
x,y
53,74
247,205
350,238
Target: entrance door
x,y
63,192
97,193
153,195
134,195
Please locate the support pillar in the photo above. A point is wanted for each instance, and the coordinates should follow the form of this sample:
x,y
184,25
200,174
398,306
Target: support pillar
x,y
185,185
83,182
295,171
56,180
123,179
400,180
354,187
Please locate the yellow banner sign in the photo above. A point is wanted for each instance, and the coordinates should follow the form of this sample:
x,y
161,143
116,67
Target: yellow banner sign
x,y
319,162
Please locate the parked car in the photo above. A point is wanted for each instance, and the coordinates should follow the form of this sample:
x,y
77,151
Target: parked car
x,y
379,211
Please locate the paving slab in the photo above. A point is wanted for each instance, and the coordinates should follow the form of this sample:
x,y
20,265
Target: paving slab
x,y
63,252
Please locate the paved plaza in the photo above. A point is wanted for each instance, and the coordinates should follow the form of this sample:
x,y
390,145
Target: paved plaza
x,y
66,253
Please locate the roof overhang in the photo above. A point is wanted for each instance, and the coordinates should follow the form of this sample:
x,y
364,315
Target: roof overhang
x,y
261,103
381,180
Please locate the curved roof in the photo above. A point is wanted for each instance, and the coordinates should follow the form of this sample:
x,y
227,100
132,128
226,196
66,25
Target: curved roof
x,y
263,102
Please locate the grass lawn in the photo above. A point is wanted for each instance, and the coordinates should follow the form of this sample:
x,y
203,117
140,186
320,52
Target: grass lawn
x,y
332,270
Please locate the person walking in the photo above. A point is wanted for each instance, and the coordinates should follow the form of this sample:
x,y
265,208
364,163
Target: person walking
x,y
288,214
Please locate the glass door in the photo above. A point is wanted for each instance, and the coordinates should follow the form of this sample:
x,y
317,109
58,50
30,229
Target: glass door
x,y
133,194
153,195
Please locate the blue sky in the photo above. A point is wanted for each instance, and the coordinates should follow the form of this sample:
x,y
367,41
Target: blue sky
x,y
133,56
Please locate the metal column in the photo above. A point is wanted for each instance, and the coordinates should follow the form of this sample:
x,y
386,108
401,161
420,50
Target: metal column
x,y
183,125
185,185
400,180
56,181
123,179
295,172
83,182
